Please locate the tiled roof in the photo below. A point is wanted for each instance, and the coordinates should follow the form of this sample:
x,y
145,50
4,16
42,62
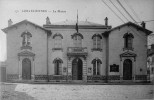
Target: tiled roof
x,y
24,21
148,32
70,22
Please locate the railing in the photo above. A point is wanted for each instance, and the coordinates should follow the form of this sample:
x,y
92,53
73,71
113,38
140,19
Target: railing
x,y
77,50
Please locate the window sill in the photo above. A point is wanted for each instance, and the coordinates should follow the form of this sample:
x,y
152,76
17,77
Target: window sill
x,y
57,49
96,49
57,75
128,49
26,47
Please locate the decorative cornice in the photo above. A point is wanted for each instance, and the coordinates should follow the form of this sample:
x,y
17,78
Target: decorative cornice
x,y
97,35
26,53
96,59
73,27
26,32
57,34
79,34
58,59
128,54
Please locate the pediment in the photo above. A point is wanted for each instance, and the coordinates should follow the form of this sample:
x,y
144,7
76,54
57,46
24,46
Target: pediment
x,y
128,54
26,53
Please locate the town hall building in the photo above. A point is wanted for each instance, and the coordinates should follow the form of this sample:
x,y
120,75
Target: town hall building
x,y
70,52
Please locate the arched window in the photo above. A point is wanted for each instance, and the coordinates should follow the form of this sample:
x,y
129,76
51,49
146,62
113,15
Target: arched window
x,y
58,66
26,37
77,39
57,40
97,41
128,41
96,66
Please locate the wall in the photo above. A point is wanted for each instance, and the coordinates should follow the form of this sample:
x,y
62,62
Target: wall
x,y
116,45
38,43
67,41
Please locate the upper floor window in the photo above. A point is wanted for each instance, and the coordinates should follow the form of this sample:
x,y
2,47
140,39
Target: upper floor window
x,y
77,39
96,66
97,42
57,40
26,43
128,41
58,66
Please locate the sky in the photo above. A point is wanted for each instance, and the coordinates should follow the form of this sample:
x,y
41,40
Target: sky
x,y
91,10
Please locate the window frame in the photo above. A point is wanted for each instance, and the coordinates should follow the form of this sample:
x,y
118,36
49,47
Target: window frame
x,y
97,42
128,41
57,41
96,66
77,41
57,66
26,40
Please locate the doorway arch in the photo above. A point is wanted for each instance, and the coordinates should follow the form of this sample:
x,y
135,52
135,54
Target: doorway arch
x,y
77,67
26,69
127,69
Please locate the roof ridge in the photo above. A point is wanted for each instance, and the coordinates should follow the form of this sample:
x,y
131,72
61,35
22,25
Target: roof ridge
x,y
72,22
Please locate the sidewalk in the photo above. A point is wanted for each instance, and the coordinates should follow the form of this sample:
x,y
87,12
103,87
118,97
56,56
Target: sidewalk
x,y
87,83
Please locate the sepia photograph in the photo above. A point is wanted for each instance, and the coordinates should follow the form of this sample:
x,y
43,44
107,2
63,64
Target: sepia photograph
x,y
76,49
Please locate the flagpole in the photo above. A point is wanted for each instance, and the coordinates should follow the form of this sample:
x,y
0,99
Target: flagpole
x,y
77,22
77,17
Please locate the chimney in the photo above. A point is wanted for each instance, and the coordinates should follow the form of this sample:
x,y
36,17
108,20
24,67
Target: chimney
x,y
143,24
10,22
106,21
48,21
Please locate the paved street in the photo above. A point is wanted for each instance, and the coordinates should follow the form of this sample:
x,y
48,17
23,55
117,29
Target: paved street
x,y
80,92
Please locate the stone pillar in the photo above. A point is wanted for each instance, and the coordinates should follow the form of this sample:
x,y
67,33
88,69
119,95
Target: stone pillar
x,y
19,68
33,70
134,69
69,69
121,70
84,71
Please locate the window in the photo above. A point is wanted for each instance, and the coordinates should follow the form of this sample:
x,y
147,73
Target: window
x,y
57,41
96,66
58,66
97,42
77,41
128,41
26,43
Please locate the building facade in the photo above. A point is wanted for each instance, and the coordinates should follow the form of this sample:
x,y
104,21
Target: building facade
x,y
150,63
66,52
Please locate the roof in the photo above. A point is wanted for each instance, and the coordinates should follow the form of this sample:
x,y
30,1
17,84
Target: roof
x,y
70,22
81,24
24,21
132,24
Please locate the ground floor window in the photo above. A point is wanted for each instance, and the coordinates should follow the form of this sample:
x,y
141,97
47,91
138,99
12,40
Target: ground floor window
x,y
96,66
58,66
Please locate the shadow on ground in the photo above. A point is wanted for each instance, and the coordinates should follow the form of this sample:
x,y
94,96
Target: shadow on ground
x,y
8,93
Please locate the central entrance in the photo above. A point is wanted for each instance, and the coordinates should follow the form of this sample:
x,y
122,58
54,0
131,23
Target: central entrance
x,y
127,70
77,69
26,69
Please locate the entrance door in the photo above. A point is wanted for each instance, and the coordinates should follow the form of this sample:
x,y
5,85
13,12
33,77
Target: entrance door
x,y
26,69
77,69
127,70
